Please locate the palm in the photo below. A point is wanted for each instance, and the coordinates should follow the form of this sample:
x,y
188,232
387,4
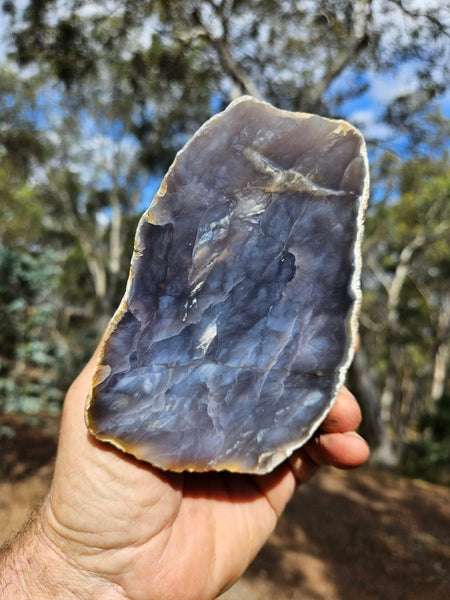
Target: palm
x,y
223,520
194,531
164,535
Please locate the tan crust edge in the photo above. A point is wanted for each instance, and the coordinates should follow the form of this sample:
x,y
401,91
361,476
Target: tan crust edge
x,y
151,215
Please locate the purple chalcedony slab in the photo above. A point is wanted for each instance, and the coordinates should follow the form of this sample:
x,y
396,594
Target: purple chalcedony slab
x,y
239,319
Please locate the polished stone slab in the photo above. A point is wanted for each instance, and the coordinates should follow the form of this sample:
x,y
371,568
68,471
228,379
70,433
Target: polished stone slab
x,y
240,315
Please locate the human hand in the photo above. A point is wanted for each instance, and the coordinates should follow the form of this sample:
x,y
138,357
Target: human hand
x,y
114,527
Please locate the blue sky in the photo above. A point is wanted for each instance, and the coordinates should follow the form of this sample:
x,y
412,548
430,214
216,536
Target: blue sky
x,y
364,111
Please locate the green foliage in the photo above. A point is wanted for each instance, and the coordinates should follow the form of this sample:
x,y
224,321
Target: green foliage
x,y
30,351
117,89
165,60
406,308
20,212
22,148
429,455
20,140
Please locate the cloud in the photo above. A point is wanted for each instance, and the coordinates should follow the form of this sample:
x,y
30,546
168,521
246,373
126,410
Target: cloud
x,y
385,87
371,126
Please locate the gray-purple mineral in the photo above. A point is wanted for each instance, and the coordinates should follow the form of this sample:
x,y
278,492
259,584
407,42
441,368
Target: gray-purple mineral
x,y
239,319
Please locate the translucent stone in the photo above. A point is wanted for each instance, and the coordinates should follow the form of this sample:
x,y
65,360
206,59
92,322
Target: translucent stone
x,y
239,319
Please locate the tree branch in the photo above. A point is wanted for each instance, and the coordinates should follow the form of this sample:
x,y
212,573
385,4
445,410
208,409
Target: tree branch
x,y
356,43
402,268
399,278
380,275
242,83
415,14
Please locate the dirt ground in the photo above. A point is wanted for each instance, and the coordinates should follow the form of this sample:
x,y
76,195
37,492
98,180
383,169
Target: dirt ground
x,y
360,535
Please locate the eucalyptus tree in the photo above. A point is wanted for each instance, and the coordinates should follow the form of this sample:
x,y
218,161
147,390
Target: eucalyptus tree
x,y
170,60
406,310
30,347
142,75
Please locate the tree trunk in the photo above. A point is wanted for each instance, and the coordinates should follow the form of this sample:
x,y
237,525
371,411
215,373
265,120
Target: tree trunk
x,y
442,356
115,242
361,384
440,369
373,428
388,453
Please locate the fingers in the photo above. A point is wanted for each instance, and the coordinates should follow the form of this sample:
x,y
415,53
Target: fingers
x,y
343,450
336,443
345,415
302,466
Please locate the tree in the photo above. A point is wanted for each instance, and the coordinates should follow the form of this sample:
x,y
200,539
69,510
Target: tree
x,y
406,315
171,58
86,182
31,349
23,148
92,187
144,74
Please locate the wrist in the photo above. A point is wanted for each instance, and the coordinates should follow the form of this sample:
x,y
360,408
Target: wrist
x,y
32,568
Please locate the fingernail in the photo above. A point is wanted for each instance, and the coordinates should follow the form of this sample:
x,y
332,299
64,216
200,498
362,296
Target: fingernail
x,y
356,435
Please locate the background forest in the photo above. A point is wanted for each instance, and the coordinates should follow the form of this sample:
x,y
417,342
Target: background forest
x,y
97,97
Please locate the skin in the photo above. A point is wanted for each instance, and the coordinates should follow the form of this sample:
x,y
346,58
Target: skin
x,y
112,527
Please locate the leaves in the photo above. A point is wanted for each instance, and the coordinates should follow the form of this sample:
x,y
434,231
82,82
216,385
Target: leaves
x,y
407,297
30,352
98,97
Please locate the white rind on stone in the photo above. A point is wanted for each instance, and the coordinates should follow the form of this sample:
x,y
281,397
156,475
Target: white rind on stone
x,y
146,397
